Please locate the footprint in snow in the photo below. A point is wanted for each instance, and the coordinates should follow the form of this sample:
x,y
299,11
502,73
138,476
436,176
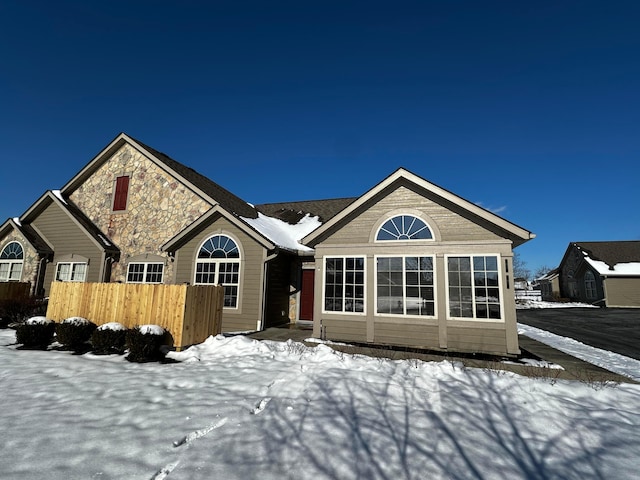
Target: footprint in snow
x,y
261,406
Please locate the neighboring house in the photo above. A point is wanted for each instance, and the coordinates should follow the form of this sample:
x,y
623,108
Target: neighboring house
x,y
521,283
407,263
549,285
602,273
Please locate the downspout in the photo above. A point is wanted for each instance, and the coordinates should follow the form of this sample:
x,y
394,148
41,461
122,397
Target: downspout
x,y
265,272
38,286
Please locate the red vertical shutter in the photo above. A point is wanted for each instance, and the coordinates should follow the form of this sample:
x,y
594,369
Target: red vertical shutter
x,y
122,190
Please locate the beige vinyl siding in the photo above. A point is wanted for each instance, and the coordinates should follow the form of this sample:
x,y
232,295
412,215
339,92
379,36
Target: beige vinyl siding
x,y
425,335
452,226
249,311
67,238
486,338
622,292
353,330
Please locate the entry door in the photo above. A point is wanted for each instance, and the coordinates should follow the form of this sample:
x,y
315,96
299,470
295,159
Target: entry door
x,y
306,295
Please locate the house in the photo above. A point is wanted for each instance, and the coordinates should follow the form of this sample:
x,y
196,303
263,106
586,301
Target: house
x,y
549,285
602,273
407,263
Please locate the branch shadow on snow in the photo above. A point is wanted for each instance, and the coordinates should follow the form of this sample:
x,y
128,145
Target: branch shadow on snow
x,y
458,426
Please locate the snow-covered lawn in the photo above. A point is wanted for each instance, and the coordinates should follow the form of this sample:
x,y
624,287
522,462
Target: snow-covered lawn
x,y
237,408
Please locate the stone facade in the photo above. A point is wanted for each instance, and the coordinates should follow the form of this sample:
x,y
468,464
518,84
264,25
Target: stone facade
x,y
30,263
158,207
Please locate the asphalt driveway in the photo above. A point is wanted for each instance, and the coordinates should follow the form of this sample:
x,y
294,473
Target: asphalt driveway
x,y
613,329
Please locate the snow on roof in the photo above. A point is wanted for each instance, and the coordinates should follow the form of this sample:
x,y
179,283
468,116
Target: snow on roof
x,y
618,270
282,233
59,196
17,221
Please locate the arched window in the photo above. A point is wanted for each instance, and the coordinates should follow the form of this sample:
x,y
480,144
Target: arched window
x,y
11,260
404,227
218,263
590,285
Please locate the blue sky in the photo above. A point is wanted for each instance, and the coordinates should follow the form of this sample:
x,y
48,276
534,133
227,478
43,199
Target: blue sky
x,y
531,109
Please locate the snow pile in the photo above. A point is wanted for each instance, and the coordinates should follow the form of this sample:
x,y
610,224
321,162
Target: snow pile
x,y
38,321
115,326
78,321
242,409
529,303
282,233
151,330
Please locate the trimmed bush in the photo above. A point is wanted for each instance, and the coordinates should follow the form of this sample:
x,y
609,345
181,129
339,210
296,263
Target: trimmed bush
x,y
144,343
18,310
109,338
36,332
74,333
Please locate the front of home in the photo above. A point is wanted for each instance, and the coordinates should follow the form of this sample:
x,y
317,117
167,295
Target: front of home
x,y
407,263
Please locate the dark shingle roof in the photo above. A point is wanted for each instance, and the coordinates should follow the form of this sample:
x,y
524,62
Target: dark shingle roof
x,y
612,253
292,212
224,197
34,239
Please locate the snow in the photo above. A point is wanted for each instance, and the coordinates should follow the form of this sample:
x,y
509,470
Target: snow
x,y
614,362
236,408
282,233
523,304
38,321
618,270
59,196
16,220
151,330
76,321
115,326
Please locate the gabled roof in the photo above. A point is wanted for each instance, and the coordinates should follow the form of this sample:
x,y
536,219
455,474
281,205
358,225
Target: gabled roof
x,y
292,212
515,233
201,185
75,214
28,233
205,220
611,258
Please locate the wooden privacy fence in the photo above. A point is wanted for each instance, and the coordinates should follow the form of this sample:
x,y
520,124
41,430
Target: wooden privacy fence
x,y
14,290
190,312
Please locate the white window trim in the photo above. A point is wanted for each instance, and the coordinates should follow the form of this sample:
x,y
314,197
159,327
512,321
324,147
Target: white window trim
x,y
72,265
11,264
364,284
431,231
145,271
502,318
405,315
218,261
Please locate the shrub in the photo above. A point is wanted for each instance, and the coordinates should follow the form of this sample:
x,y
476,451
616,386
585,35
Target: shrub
x,y
74,332
36,332
18,310
109,338
144,343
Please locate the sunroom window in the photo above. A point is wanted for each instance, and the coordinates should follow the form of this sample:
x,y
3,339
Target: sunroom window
x,y
344,284
218,263
405,286
474,287
404,227
11,261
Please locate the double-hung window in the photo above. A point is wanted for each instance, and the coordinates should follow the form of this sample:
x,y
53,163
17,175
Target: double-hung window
x,y
11,261
344,284
145,272
405,285
474,287
71,272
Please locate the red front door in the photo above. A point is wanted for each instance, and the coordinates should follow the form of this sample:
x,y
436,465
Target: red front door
x,y
306,295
